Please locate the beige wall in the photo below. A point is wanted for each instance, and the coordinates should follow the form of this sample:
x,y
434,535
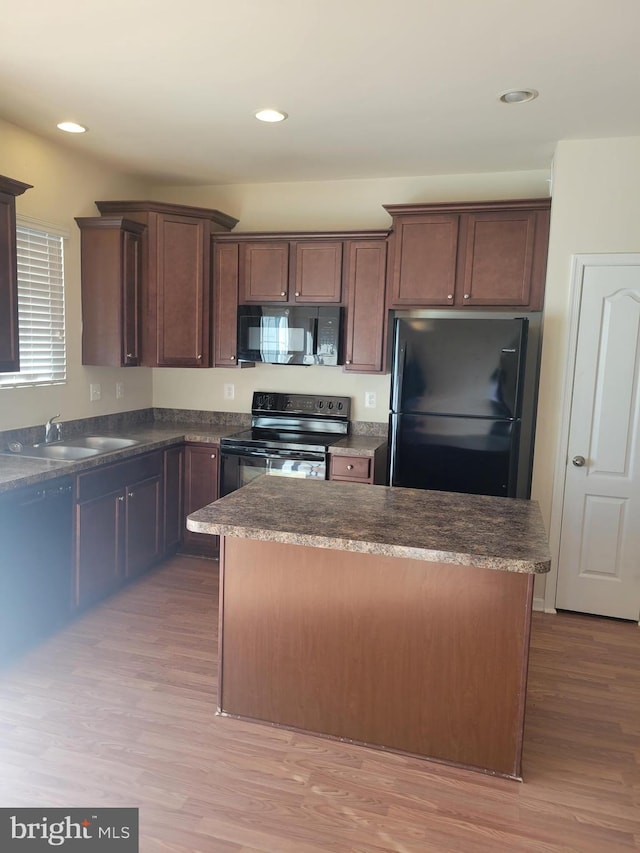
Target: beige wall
x,y
318,206
596,209
65,185
327,205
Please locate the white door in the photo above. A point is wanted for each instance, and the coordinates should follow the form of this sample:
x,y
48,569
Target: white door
x,y
599,558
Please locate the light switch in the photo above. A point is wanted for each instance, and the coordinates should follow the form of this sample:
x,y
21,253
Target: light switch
x,y
95,392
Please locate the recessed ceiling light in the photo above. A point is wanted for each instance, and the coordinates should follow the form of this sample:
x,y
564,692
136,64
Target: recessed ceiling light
x,y
518,96
270,115
71,127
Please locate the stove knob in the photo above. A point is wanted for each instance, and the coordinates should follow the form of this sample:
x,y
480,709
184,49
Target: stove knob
x,y
340,406
320,404
331,404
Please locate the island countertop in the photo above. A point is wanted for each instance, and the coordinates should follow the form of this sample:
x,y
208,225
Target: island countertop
x,y
506,534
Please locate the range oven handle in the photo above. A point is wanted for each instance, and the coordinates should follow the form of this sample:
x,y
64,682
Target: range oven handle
x,y
264,453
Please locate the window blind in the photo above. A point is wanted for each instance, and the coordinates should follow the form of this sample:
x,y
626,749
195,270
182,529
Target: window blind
x,y
40,309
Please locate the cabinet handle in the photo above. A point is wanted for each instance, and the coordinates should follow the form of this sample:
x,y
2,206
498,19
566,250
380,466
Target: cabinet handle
x,y
213,455
130,494
349,467
467,296
282,293
129,355
121,498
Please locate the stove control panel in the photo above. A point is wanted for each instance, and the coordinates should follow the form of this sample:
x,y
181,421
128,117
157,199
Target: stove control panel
x,y
300,404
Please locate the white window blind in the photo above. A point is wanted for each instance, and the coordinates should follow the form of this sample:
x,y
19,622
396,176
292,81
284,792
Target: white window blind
x,y
40,308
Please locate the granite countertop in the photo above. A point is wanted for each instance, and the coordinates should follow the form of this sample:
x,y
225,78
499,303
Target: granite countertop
x,y
494,533
17,471
358,445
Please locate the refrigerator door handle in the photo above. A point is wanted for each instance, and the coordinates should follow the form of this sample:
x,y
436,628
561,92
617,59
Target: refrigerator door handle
x,y
400,356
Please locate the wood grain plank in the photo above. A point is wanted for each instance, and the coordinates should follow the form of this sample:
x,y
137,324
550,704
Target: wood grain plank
x,y
119,709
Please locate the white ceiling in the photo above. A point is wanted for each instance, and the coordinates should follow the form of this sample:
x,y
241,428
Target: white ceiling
x,y
401,87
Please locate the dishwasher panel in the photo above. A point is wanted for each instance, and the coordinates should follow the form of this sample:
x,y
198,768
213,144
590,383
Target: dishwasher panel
x,y
35,564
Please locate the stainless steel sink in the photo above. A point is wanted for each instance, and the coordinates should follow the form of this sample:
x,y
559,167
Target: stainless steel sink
x,y
101,443
75,448
59,452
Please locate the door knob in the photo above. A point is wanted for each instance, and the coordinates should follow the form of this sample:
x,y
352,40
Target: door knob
x,y
578,461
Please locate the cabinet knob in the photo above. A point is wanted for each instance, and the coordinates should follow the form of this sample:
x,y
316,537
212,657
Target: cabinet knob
x,y
297,293
348,361
282,293
199,356
232,358
129,355
130,494
467,296
213,455
121,498
449,295
349,467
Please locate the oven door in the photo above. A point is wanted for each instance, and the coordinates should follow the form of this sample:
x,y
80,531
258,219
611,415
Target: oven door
x,y
241,465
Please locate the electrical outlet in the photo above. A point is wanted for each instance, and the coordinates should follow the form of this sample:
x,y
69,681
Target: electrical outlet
x,y
95,392
369,399
229,391
119,390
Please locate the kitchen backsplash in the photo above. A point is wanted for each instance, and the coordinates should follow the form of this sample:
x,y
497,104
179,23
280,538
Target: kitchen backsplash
x,y
121,421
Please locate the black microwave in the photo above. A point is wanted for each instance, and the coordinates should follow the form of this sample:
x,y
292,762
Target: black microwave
x,y
290,334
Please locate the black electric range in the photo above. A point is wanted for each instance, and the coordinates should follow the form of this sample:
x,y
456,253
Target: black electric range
x,y
290,435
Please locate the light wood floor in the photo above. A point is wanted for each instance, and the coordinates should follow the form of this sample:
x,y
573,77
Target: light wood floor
x,y
118,709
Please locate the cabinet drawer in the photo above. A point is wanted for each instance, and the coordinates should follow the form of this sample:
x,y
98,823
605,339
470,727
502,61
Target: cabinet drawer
x,y
351,468
110,478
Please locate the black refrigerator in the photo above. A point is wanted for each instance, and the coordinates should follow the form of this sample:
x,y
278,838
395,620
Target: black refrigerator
x,y
463,405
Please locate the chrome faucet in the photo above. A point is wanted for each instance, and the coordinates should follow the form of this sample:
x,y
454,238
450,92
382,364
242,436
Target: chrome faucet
x,y
52,432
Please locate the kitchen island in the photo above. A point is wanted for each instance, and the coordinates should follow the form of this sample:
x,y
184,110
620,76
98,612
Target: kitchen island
x,y
396,618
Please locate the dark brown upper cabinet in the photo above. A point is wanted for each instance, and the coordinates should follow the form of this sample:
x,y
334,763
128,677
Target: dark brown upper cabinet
x,y
176,283
316,271
225,304
293,268
263,273
469,255
9,342
366,326
111,249
346,267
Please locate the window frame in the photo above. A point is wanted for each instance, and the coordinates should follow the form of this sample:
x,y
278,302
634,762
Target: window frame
x,y
57,374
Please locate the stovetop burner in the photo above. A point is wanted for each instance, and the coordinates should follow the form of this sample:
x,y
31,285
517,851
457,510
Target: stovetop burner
x,y
294,422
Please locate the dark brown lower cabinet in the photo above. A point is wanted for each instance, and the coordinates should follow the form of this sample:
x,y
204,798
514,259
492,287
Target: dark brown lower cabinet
x,y
118,525
201,488
359,469
143,526
173,498
98,547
